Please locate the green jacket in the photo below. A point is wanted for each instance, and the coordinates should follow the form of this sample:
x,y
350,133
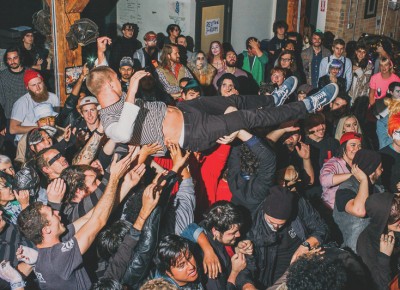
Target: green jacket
x,y
257,68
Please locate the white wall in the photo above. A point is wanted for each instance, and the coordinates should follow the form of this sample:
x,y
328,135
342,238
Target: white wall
x,y
156,15
321,18
249,17
252,18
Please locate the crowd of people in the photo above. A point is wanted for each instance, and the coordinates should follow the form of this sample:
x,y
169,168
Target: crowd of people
x,y
166,168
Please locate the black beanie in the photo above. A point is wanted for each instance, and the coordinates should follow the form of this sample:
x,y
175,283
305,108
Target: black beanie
x,y
367,160
279,203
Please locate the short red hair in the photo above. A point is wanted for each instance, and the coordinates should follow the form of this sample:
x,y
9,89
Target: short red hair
x,y
393,123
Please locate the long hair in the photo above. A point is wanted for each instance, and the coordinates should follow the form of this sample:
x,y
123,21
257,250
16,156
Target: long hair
x,y
293,66
167,49
210,56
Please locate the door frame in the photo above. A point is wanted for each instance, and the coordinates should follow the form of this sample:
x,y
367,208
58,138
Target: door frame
x,y
227,18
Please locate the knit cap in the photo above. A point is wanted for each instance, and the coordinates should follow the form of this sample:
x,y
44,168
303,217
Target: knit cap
x,y
279,203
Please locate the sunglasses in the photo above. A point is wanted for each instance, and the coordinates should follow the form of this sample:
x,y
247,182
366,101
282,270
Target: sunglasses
x,y
54,159
200,58
45,119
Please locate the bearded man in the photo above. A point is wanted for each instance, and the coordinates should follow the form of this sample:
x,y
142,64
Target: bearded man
x,y
22,115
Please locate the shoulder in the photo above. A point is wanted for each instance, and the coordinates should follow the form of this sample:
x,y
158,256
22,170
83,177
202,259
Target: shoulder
x,y
23,100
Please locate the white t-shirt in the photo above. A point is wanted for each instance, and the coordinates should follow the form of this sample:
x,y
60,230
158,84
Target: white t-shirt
x,y
22,110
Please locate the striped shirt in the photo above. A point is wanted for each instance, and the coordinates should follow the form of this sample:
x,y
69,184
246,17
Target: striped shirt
x,y
148,124
11,89
10,240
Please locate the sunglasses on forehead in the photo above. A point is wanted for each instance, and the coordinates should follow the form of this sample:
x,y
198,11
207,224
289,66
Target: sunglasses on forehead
x,y
54,159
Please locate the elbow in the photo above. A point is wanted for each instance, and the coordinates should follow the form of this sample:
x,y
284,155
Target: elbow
x,y
358,212
13,129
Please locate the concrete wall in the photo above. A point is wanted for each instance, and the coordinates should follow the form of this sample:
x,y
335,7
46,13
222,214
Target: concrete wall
x,y
339,17
252,18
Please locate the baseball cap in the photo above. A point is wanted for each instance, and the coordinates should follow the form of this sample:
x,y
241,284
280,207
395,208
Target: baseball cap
x,y
88,100
126,61
350,135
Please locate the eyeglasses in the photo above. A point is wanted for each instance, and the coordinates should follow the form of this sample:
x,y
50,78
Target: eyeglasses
x,y
54,159
47,119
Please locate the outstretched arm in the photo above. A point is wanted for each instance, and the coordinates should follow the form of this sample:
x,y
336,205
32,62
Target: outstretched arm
x,y
89,226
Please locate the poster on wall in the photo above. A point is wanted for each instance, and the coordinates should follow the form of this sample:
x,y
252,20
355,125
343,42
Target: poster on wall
x,y
156,15
212,26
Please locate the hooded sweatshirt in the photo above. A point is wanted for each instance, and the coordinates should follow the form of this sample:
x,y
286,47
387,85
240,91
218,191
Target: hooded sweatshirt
x,y
378,209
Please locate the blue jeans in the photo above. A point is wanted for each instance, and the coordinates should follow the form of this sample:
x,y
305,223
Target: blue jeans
x,y
382,132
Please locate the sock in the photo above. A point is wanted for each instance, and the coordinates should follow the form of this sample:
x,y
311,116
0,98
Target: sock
x,y
308,104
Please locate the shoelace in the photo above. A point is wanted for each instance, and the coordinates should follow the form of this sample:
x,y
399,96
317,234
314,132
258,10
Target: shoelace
x,y
282,92
315,100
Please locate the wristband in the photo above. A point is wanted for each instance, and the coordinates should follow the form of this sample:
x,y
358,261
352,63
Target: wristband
x,y
16,285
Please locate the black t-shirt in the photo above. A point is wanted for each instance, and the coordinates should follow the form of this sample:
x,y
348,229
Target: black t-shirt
x,y
61,266
289,243
391,168
343,196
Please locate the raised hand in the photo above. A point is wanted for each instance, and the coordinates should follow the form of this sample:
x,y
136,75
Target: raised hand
x,y
27,255
23,197
56,190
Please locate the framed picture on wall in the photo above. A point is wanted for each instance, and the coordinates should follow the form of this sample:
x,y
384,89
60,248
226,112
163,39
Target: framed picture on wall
x,y
71,75
370,8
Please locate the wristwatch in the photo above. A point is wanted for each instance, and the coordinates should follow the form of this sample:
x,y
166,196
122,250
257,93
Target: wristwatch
x,y
306,244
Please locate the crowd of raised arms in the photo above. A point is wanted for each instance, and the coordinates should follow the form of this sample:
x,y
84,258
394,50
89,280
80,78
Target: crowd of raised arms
x,y
168,167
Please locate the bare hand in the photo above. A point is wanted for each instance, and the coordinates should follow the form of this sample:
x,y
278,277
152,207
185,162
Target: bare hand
x,y
119,168
386,245
67,133
358,173
133,176
97,165
304,151
3,132
27,255
39,61
211,265
85,70
150,198
228,139
8,273
253,43
134,82
102,43
56,190
238,262
245,247
301,250
23,197
176,155
150,149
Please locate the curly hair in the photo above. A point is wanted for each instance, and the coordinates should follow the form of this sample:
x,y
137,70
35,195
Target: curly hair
x,y
317,273
248,161
222,215
106,284
158,284
74,177
31,222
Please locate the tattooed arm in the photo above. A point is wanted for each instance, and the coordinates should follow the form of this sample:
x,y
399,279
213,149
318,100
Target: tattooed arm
x,y
88,152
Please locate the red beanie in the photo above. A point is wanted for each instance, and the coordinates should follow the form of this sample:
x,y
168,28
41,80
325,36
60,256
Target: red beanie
x,y
393,123
31,74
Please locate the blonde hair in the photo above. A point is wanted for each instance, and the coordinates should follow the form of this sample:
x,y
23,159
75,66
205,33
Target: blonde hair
x,y
340,126
158,284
